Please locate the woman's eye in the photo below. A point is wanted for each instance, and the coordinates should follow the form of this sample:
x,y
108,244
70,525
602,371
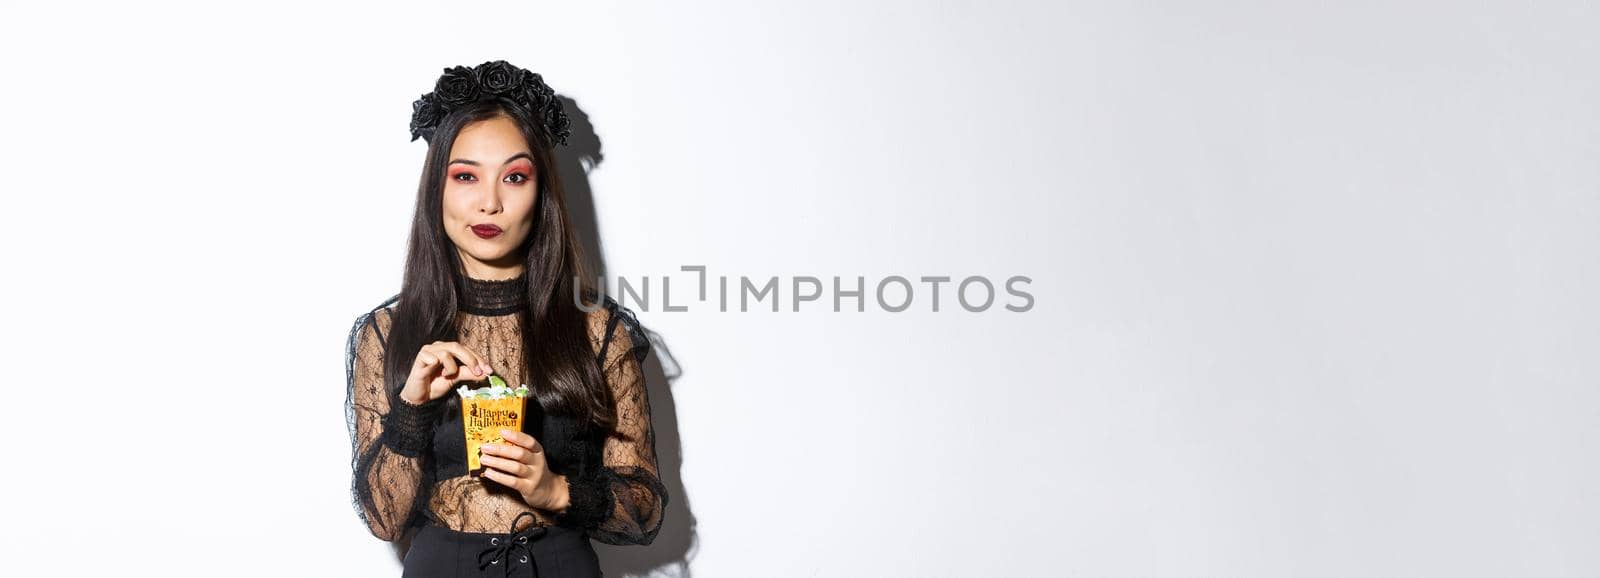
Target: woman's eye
x,y
516,178
465,177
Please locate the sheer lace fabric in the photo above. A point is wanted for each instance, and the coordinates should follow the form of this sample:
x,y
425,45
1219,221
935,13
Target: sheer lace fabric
x,y
408,460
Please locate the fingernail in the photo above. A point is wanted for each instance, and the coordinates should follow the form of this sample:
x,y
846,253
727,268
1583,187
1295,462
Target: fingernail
x,y
478,370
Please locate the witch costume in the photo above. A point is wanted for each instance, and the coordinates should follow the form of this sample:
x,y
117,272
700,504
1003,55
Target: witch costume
x,y
409,470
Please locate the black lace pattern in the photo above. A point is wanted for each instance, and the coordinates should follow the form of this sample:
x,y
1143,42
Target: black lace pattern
x,y
408,460
487,297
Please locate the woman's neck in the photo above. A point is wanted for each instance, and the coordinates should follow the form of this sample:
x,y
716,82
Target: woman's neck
x,y
490,271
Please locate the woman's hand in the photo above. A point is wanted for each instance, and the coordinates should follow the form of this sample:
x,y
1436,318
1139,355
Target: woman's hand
x,y
437,368
521,466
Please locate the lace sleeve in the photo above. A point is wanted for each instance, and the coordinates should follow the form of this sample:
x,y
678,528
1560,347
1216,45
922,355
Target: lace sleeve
x,y
389,436
623,501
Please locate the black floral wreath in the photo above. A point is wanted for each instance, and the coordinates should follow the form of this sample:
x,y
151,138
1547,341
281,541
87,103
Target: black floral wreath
x,y
459,86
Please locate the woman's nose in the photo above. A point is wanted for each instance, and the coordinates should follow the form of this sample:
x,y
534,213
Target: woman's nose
x,y
491,201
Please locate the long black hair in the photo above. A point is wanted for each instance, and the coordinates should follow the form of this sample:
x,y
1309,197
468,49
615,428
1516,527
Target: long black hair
x,y
561,366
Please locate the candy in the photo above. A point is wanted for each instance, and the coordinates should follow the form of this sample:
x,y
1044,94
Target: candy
x,y
497,389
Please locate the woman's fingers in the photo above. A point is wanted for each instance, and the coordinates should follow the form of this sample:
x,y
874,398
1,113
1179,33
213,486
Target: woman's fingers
x,y
514,465
441,364
515,468
470,362
447,359
425,359
512,452
427,365
521,485
521,439
455,360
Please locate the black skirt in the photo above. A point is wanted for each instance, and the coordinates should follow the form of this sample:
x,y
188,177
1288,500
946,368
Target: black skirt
x,y
545,552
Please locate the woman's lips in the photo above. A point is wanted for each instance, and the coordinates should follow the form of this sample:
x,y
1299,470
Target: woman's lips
x,y
486,231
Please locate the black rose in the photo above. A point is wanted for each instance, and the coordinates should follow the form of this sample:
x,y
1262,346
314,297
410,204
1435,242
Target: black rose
x,y
537,101
556,122
425,134
531,79
425,114
498,77
535,93
458,85
534,84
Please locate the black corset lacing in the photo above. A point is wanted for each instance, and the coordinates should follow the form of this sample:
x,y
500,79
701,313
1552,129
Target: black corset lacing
x,y
513,545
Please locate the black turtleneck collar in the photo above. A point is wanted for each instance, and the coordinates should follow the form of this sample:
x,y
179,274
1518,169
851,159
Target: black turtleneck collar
x,y
497,297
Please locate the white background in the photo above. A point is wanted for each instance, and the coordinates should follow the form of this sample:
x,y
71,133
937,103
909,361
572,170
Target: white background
x,y
1314,283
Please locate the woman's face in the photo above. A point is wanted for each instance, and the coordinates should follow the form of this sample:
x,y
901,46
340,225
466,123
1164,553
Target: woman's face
x,y
489,190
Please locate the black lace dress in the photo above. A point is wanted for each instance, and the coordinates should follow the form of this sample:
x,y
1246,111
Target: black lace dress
x,y
409,461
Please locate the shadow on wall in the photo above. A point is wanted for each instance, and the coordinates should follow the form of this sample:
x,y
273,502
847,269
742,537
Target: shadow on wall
x,y
674,545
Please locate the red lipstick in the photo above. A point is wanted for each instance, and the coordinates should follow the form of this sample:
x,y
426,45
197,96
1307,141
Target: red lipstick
x,y
486,231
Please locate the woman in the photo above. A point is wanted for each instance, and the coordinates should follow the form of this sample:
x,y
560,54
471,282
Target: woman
x,y
494,284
